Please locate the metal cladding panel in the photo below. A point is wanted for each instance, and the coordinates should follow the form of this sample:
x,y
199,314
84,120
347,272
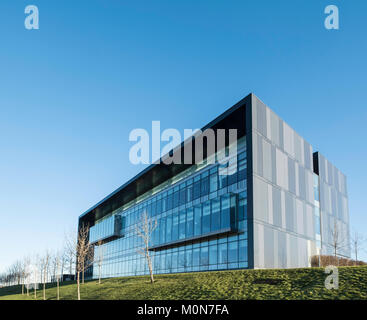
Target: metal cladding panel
x,y
283,199
334,207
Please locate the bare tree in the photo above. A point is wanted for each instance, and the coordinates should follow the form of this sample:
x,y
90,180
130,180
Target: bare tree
x,y
26,262
337,239
57,260
144,229
16,270
54,266
44,266
99,257
357,242
70,250
36,264
62,261
84,254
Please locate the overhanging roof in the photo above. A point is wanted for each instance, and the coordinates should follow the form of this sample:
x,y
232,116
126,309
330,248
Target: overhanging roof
x,y
155,174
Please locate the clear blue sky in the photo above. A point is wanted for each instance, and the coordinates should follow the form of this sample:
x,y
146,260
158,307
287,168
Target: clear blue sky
x,y
71,92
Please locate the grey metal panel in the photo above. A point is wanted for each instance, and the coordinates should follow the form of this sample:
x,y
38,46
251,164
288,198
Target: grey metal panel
x,y
260,200
261,117
291,176
289,211
277,207
274,127
333,205
268,247
267,160
284,162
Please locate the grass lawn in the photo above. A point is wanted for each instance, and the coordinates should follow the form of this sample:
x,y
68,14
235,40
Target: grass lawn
x,y
306,283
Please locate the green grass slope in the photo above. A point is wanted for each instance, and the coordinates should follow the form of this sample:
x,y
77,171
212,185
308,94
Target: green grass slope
x,y
307,283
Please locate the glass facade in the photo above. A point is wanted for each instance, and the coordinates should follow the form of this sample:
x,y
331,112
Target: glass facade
x,y
201,225
296,197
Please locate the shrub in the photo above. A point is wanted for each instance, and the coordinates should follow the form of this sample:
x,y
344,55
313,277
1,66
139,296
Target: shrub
x,y
326,260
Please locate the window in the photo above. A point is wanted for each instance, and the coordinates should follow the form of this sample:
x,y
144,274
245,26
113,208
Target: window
x,y
190,223
232,178
196,257
222,250
188,259
196,188
242,166
317,221
242,250
204,183
233,251
213,254
213,182
164,204
242,206
233,211
204,258
189,193
225,212
222,176
154,208
316,187
182,225
176,198
155,238
197,220
159,207
183,195
169,262
169,229
215,216
181,259
162,228
174,260
206,217
170,201
175,226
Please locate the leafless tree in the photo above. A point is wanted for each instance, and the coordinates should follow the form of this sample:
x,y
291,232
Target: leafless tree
x,y
54,265
99,257
357,243
62,261
84,254
26,263
144,229
16,270
70,249
338,241
44,266
36,267
57,261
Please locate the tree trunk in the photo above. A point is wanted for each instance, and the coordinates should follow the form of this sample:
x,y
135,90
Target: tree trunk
x,y
23,288
78,284
150,268
58,289
44,290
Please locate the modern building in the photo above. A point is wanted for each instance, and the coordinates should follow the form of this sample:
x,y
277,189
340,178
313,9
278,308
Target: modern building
x,y
279,208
